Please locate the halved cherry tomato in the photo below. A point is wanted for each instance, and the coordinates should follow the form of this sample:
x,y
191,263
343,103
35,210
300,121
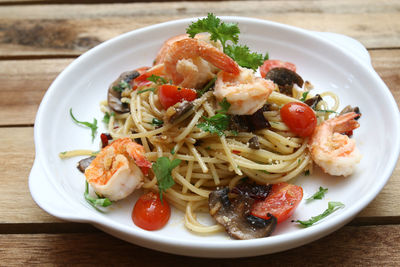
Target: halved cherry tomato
x,y
169,95
299,117
274,63
281,202
146,73
150,213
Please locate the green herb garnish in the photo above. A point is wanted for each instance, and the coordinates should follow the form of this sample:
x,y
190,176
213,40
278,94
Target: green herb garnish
x,y
146,90
157,122
227,32
325,110
162,169
173,151
332,207
92,126
304,96
318,195
219,122
95,202
157,79
207,87
107,116
121,86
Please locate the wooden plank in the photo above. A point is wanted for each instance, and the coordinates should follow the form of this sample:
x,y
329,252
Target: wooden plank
x,y
16,159
72,29
24,82
349,246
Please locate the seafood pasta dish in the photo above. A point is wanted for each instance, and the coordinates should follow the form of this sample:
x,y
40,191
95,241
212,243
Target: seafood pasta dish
x,y
212,127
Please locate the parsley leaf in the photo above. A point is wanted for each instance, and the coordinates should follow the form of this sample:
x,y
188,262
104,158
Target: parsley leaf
x,y
221,31
162,169
107,116
318,195
157,122
92,126
304,96
103,202
219,122
244,57
157,79
332,207
121,86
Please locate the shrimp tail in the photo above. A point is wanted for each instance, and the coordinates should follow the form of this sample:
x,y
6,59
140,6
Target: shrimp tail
x,y
346,122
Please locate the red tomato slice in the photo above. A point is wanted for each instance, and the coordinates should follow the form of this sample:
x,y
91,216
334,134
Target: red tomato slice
x,y
169,95
299,117
281,202
274,63
142,79
150,213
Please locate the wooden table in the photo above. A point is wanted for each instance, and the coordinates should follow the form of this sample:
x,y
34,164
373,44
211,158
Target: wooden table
x,y
38,39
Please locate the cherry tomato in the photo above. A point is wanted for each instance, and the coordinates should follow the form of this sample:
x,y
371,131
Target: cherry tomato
x,y
169,95
274,63
299,117
146,73
281,202
150,213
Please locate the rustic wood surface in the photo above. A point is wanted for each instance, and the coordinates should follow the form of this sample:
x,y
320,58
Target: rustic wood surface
x,y
38,39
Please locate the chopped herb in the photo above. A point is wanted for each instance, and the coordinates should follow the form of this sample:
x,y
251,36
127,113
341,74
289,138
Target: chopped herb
x,y
244,57
157,79
146,90
307,173
107,116
173,151
121,86
264,171
207,87
225,32
304,96
318,195
92,126
157,122
162,169
326,111
103,202
332,207
219,122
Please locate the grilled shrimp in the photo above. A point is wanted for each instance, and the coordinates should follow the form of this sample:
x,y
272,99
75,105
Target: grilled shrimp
x,y
116,171
334,152
244,91
186,62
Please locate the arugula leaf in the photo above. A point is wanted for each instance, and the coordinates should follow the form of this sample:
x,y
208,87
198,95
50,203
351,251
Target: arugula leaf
x,y
219,31
103,202
107,116
157,79
92,126
121,86
318,195
244,57
304,96
146,90
162,169
219,122
157,122
332,207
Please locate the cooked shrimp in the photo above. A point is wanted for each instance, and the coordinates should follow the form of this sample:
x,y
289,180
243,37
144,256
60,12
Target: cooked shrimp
x,y
245,92
115,172
184,63
334,152
164,48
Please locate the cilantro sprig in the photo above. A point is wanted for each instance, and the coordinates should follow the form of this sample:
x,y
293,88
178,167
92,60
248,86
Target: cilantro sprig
x,y
227,33
95,202
219,122
162,169
319,194
92,126
332,207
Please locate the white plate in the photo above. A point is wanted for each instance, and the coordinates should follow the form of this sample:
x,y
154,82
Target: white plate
x,y
330,61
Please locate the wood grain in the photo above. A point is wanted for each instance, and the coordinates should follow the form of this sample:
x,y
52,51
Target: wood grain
x,y
349,246
72,29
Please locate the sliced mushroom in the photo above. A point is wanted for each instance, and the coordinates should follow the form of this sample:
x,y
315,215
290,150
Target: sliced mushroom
x,y
313,101
84,163
249,123
235,216
254,143
114,94
176,111
285,79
